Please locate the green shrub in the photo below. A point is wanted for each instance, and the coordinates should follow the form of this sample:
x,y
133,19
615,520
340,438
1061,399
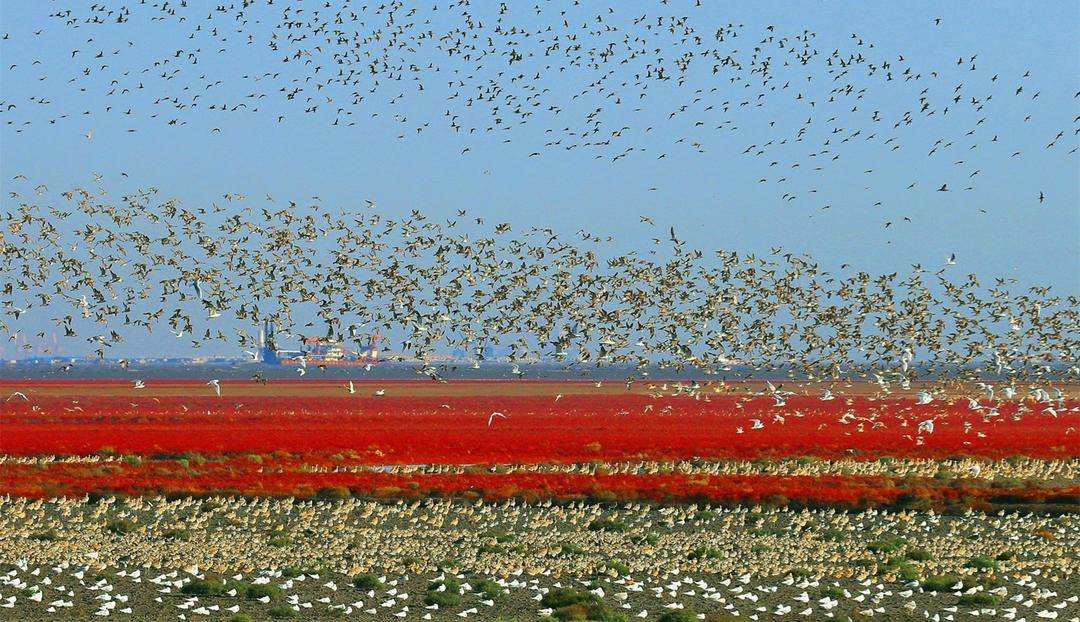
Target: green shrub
x,y
939,583
132,460
176,534
832,535
571,549
918,555
678,616
281,611
982,562
500,537
366,582
279,540
706,552
449,597
833,592
886,545
443,599
978,599
121,526
488,588
908,573
618,566
261,591
203,587
564,596
1005,556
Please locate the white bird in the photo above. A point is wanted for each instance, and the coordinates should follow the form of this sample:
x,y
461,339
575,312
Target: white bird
x,y
380,392
301,371
827,395
351,388
927,426
923,398
492,416
216,384
139,384
757,424
17,394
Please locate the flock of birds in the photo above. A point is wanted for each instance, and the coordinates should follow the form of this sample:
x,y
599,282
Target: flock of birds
x,y
603,79
102,269
758,564
590,78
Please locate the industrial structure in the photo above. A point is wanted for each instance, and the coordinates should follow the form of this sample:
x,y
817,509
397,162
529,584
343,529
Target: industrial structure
x,y
317,351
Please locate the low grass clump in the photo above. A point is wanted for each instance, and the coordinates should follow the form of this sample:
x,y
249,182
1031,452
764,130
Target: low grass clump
x,y
121,526
490,589
449,596
706,552
908,573
366,582
176,534
918,555
979,599
939,583
45,536
571,549
833,592
886,545
203,587
443,599
678,616
279,541
570,604
262,591
982,562
279,612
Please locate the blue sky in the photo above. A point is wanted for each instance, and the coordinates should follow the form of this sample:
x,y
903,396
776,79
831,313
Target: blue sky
x,y
713,199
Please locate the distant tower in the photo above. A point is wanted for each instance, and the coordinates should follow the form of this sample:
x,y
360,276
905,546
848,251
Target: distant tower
x,y
267,349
